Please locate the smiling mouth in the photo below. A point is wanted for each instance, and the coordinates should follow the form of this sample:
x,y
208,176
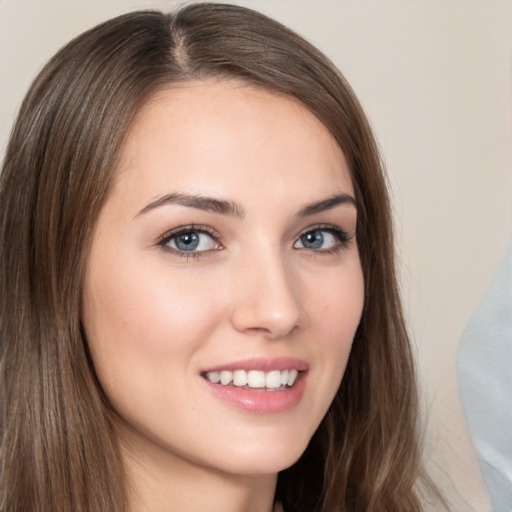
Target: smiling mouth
x,y
257,380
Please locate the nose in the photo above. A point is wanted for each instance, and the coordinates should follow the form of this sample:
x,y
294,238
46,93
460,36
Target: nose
x,y
266,299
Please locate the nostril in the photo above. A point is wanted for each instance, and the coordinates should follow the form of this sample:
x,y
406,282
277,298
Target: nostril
x,y
258,331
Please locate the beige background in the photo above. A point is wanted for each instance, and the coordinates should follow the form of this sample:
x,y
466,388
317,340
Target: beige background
x,y
434,77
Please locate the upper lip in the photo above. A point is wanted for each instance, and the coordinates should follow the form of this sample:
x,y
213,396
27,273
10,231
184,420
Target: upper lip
x,y
263,364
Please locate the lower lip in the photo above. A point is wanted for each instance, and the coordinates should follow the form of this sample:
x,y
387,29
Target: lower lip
x,y
260,401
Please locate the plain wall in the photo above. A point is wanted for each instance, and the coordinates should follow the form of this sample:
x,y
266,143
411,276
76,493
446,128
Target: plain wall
x,y
434,78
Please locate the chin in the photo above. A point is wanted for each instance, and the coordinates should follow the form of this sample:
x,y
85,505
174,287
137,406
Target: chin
x,y
262,457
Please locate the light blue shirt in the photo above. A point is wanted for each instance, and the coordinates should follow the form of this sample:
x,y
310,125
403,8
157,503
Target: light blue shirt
x,y
484,370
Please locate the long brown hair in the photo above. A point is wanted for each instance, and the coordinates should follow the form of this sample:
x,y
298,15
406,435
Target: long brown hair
x,y
58,448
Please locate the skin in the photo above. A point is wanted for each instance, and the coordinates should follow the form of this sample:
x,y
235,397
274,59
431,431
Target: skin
x,y
155,318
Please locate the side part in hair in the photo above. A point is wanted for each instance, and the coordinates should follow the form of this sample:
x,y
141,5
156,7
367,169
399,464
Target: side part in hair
x,y
58,447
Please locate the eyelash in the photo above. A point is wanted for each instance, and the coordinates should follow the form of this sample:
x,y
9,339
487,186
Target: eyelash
x,y
342,237
183,230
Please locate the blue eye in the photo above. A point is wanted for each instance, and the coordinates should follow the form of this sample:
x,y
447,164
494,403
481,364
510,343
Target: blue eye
x,y
189,240
322,239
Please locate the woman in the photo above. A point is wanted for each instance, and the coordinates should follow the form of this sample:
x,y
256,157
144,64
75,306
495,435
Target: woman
x,y
197,251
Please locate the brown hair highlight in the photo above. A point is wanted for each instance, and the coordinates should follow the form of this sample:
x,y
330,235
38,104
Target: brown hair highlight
x,y
59,451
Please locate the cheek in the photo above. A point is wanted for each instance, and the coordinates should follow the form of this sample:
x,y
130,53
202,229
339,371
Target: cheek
x,y
136,320
336,303
335,315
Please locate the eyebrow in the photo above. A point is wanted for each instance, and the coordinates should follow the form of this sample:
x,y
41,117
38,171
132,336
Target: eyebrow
x,y
208,204
231,208
327,204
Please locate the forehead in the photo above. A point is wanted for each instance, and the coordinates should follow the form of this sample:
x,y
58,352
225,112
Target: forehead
x,y
198,136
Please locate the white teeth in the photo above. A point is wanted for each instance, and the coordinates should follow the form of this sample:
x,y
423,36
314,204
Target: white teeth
x,y
214,377
226,377
256,379
273,379
292,375
240,378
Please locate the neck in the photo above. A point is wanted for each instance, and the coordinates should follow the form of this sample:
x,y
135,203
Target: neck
x,y
162,482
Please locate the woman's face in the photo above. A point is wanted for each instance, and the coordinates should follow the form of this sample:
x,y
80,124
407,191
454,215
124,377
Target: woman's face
x,y
225,250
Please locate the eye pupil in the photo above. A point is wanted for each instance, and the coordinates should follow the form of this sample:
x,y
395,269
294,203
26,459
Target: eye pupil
x,y
187,241
312,239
